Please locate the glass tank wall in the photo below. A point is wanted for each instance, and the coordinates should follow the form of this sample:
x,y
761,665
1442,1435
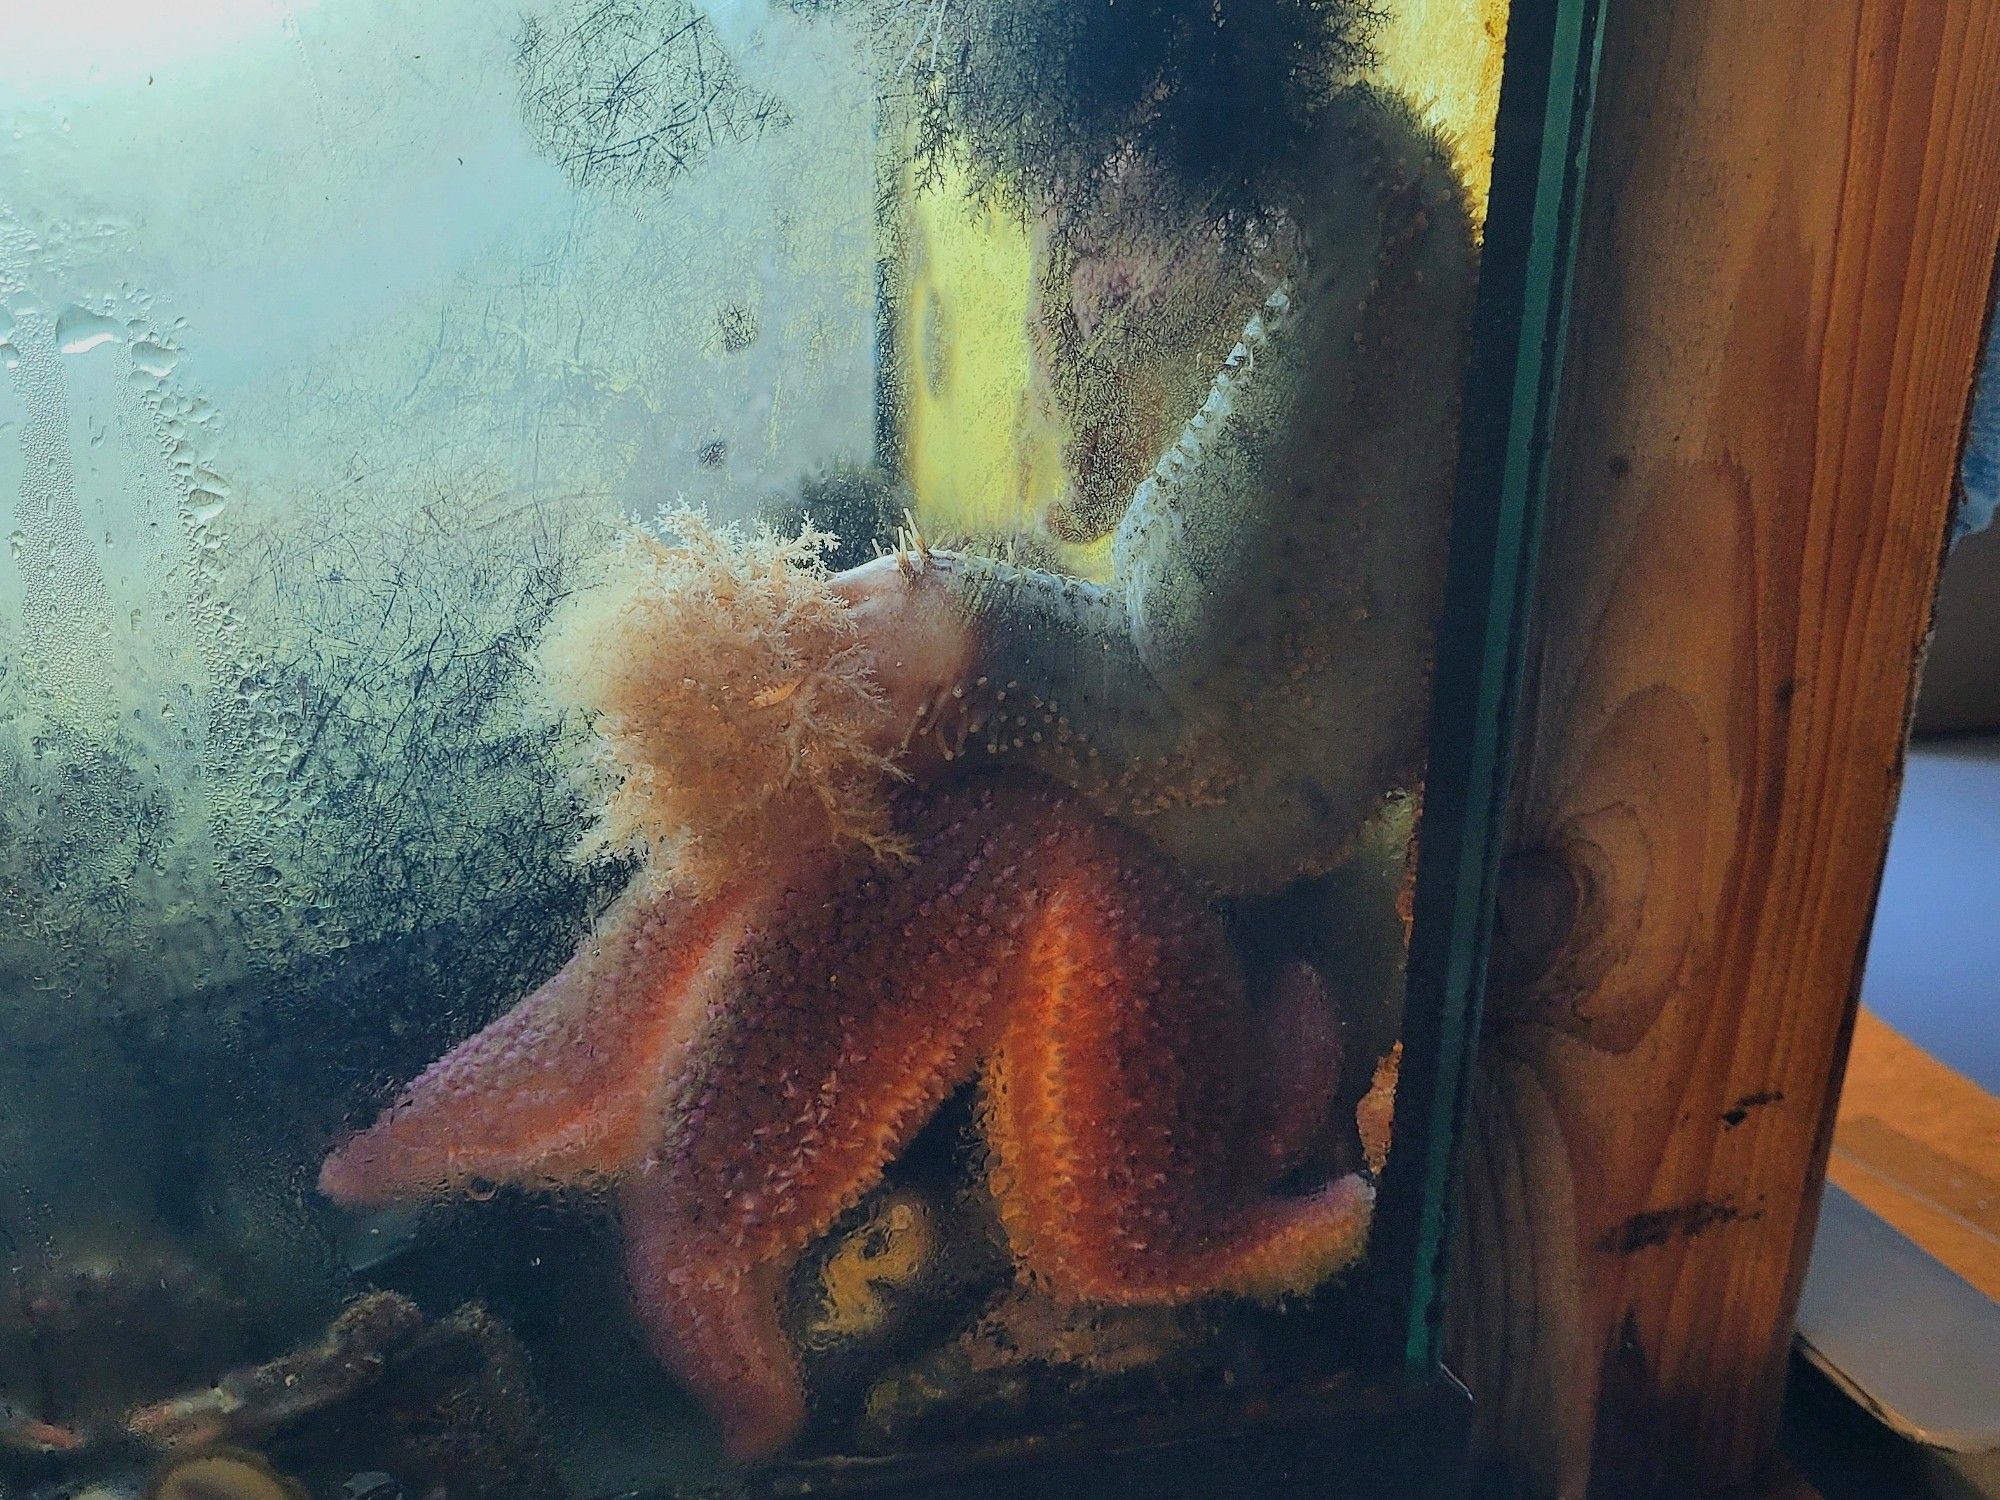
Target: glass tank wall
x,y
713,720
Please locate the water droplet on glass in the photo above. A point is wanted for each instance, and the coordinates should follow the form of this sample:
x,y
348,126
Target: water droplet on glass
x,y
155,358
79,330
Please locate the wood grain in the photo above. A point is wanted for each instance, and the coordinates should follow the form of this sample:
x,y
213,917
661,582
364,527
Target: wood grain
x,y
1782,276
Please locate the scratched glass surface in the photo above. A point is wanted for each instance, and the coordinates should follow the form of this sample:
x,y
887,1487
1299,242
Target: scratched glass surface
x,y
831,601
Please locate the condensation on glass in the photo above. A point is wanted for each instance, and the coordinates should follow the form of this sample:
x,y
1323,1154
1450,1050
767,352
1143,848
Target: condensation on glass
x,y
832,601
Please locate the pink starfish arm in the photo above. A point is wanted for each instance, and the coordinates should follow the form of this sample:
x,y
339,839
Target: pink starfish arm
x,y
873,1001
568,1084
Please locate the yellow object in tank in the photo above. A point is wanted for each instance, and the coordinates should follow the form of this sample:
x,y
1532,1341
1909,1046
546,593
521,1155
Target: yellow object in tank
x,y
222,1476
975,451
1445,55
978,455
893,1249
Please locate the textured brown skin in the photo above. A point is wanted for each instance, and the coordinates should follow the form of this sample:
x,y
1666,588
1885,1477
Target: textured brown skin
x,y
1254,678
748,1081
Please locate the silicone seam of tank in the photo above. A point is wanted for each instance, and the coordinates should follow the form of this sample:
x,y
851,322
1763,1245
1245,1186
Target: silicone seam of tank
x,y
1513,375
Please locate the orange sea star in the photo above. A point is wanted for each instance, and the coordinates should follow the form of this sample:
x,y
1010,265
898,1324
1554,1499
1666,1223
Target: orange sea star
x,y
745,1065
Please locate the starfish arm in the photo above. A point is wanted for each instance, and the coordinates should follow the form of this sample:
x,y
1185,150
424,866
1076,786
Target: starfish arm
x,y
714,1324
1295,1068
874,1000
567,1085
1113,1103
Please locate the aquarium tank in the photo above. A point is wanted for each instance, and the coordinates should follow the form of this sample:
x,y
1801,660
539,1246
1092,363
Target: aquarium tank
x,y
751,746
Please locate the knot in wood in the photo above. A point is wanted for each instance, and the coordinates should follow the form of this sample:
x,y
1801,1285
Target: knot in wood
x,y
1535,912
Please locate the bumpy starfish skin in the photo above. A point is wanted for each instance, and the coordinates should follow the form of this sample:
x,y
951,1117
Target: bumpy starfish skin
x,y
749,1066
570,1082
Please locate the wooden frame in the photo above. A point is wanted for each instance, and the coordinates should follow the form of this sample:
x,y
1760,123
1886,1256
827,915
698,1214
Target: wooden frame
x,y
1782,277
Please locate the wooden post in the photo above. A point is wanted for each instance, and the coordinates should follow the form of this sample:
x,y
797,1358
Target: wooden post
x,y
1782,276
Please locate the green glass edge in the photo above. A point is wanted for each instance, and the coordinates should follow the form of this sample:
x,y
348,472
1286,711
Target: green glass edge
x,y
1575,47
